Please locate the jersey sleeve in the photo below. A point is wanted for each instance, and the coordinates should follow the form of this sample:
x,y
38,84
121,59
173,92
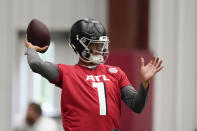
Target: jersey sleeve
x,y
123,80
58,81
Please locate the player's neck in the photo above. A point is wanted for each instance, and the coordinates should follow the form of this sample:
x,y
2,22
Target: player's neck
x,y
81,62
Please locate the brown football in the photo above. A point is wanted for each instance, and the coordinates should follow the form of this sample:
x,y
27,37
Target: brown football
x,y
38,34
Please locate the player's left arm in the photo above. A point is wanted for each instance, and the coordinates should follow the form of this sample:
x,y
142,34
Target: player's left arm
x,y
136,99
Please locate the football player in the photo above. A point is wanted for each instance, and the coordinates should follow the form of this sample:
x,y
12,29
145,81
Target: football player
x,y
92,91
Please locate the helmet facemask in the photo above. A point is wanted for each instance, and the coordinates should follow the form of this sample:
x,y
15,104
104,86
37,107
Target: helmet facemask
x,y
95,51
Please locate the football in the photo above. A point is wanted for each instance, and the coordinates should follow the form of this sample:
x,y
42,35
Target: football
x,y
38,34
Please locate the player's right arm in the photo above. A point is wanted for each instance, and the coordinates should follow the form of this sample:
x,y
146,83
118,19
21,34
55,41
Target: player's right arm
x,y
47,69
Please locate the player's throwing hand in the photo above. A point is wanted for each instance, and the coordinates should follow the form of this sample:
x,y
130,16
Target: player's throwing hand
x,y
38,49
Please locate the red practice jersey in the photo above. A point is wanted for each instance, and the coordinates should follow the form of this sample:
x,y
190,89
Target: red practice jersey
x,y
91,98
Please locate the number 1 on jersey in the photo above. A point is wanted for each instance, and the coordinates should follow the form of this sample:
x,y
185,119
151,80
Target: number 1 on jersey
x,y
102,97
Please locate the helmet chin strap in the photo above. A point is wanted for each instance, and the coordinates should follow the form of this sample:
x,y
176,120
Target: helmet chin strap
x,y
96,59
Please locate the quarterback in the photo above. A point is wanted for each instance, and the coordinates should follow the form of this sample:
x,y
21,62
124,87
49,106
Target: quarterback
x,y
91,90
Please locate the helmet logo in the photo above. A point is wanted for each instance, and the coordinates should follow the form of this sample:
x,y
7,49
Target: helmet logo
x,y
77,37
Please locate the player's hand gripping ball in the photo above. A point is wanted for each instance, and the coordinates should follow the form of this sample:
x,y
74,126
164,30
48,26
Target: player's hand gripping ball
x,y
38,34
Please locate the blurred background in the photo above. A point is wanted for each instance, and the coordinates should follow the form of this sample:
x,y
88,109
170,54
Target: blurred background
x,y
164,28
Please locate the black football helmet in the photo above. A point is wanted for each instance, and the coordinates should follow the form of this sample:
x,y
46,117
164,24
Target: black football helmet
x,y
87,33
